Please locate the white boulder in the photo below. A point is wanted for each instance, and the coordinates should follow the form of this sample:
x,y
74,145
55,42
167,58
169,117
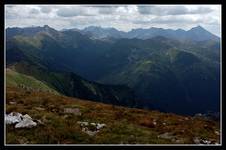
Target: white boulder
x,y
21,121
13,118
26,117
83,123
93,124
26,123
100,125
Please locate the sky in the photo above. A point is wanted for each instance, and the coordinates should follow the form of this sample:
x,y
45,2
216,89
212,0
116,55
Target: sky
x,y
121,17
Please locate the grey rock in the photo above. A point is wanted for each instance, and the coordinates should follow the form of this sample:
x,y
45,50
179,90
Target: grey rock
x,y
26,123
99,126
166,135
205,141
93,124
217,132
85,127
13,117
196,140
12,103
75,111
21,121
39,108
26,116
84,123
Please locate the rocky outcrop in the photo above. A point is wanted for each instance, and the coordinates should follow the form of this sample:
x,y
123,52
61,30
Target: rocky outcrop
x,y
91,128
20,121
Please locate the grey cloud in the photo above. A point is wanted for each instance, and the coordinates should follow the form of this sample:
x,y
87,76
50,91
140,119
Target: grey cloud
x,y
147,9
107,9
203,10
141,22
174,20
72,11
45,9
168,20
171,10
34,11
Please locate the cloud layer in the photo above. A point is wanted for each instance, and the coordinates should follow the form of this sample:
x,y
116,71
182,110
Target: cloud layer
x,y
122,17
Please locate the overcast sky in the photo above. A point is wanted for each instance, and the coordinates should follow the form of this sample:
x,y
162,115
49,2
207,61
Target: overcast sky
x,y
122,17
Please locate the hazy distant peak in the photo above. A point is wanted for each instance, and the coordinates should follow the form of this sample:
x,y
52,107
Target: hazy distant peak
x,y
198,28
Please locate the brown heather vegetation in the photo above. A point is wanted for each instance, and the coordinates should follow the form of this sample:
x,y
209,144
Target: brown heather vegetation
x,y
124,125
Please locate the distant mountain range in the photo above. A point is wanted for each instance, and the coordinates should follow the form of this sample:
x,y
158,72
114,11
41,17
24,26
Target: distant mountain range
x,y
198,32
169,70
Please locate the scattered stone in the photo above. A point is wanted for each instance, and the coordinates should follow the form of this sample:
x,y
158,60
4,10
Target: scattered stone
x,y
90,133
44,120
171,137
179,141
196,140
39,122
93,124
13,118
12,103
91,128
217,132
181,120
176,140
26,123
99,126
186,118
201,141
209,116
198,115
208,127
23,140
39,108
166,135
75,111
84,123
65,116
205,142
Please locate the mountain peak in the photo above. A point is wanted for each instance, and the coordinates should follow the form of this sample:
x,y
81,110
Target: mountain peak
x,y
197,28
46,26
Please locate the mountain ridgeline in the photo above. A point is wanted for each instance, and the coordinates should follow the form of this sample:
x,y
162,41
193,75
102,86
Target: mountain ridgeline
x,y
169,70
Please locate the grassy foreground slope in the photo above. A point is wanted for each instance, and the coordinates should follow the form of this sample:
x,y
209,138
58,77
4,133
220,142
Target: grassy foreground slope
x,y
18,79
123,125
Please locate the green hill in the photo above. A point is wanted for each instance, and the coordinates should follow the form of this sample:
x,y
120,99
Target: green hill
x,y
15,79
